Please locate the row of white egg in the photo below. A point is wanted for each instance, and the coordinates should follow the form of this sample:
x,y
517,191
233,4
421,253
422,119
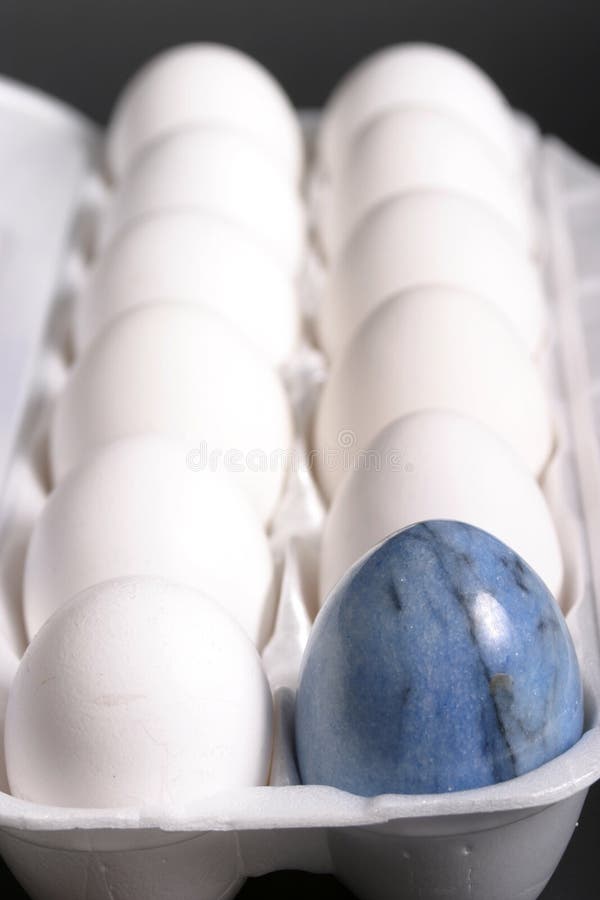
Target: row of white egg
x,y
149,579
425,193
180,328
434,315
444,153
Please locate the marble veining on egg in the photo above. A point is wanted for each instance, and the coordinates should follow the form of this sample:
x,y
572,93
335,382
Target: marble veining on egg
x,y
440,663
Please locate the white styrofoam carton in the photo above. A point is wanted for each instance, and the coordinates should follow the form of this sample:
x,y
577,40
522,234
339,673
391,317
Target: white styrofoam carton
x,y
491,843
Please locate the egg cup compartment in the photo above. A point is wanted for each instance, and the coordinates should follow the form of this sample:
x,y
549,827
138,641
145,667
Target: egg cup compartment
x,y
491,843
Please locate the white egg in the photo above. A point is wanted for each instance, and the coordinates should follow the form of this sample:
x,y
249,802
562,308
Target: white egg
x,y
196,258
204,84
182,371
418,75
8,666
138,692
427,349
432,238
136,507
220,173
439,465
414,149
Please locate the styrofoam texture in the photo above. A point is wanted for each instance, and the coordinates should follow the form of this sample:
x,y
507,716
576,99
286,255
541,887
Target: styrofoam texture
x,y
491,843
9,663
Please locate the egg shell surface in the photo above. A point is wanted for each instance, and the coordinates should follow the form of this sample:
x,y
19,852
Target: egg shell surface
x,y
195,258
430,238
220,173
415,149
138,693
437,464
430,349
204,83
418,75
182,371
136,507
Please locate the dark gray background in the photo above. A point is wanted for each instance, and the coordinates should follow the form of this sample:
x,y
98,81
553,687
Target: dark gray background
x,y
544,54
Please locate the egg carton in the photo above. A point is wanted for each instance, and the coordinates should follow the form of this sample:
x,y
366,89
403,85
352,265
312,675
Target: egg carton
x,y
489,843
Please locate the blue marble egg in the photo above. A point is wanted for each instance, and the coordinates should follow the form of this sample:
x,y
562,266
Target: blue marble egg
x,y
440,662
